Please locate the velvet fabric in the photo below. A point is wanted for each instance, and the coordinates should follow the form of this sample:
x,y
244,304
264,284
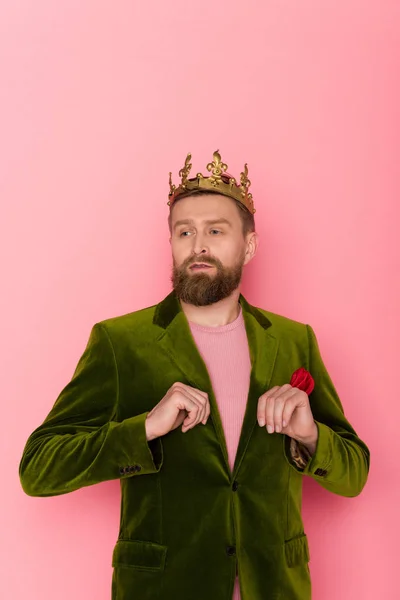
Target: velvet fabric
x,y
187,521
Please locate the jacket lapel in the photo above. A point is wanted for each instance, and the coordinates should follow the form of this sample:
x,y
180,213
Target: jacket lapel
x,y
263,348
177,341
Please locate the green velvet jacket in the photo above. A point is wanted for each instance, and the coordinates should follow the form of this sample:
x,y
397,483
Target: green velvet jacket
x,y
187,522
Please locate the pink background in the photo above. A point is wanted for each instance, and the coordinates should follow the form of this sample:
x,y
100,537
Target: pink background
x,y
99,100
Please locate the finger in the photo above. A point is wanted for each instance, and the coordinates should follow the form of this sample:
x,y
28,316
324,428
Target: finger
x,y
197,396
280,403
272,390
261,410
193,409
208,411
288,410
196,414
270,396
196,391
284,388
269,413
203,398
203,402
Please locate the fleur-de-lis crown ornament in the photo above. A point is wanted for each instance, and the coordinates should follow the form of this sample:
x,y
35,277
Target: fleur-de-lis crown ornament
x,y
219,181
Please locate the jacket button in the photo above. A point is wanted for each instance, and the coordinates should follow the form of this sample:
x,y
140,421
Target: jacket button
x,y
235,486
131,469
320,472
231,550
138,468
122,470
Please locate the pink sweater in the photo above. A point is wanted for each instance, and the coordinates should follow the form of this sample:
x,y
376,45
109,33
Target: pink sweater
x,y
225,352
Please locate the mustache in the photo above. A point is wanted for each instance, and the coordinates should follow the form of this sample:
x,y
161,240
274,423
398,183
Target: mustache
x,y
208,261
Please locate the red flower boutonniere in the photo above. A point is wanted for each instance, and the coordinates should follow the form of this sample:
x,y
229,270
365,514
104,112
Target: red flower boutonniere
x,y
303,380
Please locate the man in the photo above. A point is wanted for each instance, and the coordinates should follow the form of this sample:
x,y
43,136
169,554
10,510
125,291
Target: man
x,y
188,403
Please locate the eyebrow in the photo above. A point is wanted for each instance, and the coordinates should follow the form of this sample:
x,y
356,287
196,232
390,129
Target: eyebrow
x,y
207,222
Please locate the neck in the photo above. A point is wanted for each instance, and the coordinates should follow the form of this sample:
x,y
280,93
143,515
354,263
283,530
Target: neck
x,y
214,315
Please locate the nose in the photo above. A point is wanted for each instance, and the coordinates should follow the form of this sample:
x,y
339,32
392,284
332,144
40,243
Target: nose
x,y
199,246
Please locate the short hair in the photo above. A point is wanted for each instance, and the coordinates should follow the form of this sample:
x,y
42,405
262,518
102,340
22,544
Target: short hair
x,y
247,218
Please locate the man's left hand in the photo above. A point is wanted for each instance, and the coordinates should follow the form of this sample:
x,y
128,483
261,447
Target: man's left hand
x,y
286,409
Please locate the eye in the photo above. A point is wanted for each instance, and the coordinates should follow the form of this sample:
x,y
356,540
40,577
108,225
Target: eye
x,y
217,230
182,234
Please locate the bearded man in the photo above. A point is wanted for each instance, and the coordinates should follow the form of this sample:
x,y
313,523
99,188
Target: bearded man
x,y
210,411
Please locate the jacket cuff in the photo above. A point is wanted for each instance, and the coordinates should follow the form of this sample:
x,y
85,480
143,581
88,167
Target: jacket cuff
x,y
318,464
300,454
146,456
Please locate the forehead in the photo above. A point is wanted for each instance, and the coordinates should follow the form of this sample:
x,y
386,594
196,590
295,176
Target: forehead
x,y
205,207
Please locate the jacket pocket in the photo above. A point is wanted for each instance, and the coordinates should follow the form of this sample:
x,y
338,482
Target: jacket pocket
x,y
138,554
297,550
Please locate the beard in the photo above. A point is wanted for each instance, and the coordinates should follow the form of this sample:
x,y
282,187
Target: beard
x,y
202,289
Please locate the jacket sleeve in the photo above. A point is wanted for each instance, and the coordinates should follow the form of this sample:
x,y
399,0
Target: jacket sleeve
x,y
341,459
80,442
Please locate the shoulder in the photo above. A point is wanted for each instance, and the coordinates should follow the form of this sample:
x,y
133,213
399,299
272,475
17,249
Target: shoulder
x,y
281,320
139,322
281,326
275,320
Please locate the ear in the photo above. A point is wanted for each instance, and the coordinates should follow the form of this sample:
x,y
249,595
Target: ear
x,y
252,240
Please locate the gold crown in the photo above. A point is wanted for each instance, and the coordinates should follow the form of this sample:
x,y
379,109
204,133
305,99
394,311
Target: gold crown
x,y
220,181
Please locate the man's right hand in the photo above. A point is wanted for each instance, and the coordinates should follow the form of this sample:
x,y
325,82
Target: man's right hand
x,y
181,404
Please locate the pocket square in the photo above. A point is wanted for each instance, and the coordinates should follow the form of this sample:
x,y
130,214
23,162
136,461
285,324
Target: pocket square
x,y
303,380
